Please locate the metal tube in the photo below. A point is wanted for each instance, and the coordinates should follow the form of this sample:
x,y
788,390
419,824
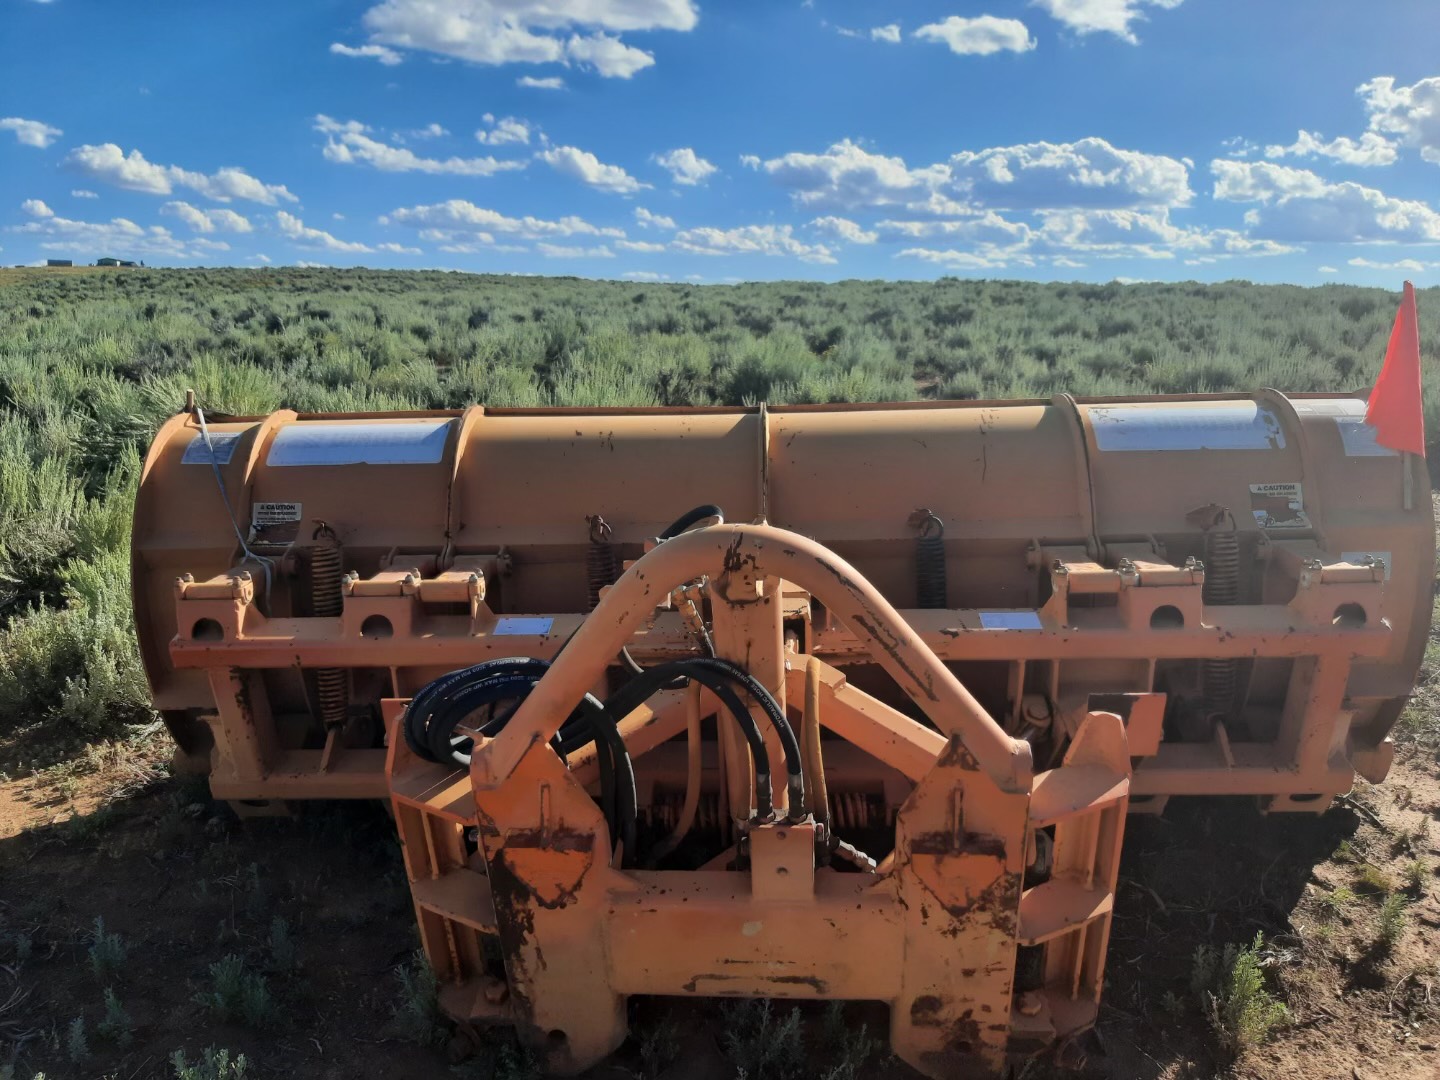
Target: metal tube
x,y
726,551
814,759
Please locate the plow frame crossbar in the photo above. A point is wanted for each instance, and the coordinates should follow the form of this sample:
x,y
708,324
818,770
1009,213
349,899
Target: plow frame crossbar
x,y
934,935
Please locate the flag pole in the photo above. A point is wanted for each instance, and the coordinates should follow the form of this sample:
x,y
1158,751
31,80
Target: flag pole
x,y
1409,490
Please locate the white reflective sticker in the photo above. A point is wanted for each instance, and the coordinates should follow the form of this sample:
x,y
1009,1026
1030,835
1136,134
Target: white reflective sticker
x,y
1382,557
1356,435
197,453
323,442
511,624
1010,620
1278,506
1220,425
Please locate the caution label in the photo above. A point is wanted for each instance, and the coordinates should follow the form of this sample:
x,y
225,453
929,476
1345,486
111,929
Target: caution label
x,y
275,522
1278,506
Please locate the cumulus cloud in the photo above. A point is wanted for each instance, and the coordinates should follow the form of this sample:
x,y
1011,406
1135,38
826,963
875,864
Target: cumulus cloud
x,y
506,130
1410,266
585,166
1296,205
751,240
457,220
1103,16
647,220
119,236
495,32
553,82
567,251
844,229
1410,113
644,275
296,230
31,132
685,166
348,142
108,164
1086,173
388,57
979,36
848,175
208,221
645,247
1369,149
889,34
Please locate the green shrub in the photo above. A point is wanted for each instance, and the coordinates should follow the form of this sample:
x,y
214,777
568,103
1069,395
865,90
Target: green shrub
x,y
1232,991
238,994
212,1065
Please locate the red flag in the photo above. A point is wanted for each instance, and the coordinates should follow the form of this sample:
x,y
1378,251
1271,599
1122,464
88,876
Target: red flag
x,y
1395,410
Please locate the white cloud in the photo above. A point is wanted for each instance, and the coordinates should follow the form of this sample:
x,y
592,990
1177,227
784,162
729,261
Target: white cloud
x,y
1328,270
564,251
1299,206
978,37
347,143
397,249
751,240
554,82
81,193
1412,266
1103,16
263,260
431,130
461,220
119,236
648,220
529,31
292,227
208,221
847,175
31,132
1238,146
108,164
585,166
982,259
1410,113
844,229
1086,173
388,57
889,34
643,246
1370,149
685,166
644,275
979,228
503,131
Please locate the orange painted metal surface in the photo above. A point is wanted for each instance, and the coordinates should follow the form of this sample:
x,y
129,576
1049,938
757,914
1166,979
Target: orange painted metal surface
x,y
1214,595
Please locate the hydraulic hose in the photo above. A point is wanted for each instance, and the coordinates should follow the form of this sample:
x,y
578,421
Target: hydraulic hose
x,y
692,517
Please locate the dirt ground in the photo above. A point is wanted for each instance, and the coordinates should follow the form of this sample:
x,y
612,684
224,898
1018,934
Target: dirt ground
x,y
183,884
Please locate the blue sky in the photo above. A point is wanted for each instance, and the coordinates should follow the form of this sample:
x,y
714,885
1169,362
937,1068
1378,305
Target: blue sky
x,y
1290,140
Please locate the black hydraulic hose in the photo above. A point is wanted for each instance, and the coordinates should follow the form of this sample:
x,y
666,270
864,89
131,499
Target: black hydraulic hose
x,y
689,518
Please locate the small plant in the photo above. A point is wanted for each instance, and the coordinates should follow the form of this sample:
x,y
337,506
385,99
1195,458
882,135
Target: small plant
x,y
238,994
77,1046
24,946
659,1046
107,951
117,1025
1372,881
1346,852
1416,873
1331,904
851,1048
1231,987
213,1064
1390,927
284,957
417,1016
761,1043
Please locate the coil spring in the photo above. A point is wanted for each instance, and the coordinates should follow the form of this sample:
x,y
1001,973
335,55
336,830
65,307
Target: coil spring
x,y
931,587
664,811
1220,678
858,810
327,600
601,564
